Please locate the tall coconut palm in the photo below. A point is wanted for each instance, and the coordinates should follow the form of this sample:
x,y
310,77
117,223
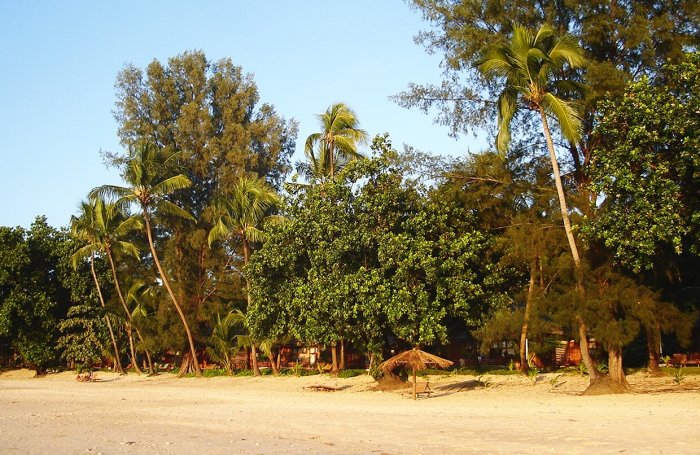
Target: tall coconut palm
x,y
338,139
112,225
150,177
239,215
528,65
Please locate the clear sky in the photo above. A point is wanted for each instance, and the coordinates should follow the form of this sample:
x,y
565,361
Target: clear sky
x,y
60,61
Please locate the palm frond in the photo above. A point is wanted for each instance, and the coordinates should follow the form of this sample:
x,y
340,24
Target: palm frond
x,y
507,107
567,116
82,253
128,248
164,207
170,185
113,193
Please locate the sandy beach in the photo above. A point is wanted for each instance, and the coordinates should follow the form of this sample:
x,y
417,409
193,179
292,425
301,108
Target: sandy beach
x,y
164,415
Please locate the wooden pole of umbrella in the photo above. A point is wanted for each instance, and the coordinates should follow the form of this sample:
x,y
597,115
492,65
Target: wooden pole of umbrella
x,y
417,360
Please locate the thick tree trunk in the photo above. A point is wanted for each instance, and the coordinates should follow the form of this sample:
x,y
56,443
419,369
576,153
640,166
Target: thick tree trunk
x,y
342,354
334,359
254,360
117,361
187,366
593,372
526,319
193,351
615,370
653,343
273,363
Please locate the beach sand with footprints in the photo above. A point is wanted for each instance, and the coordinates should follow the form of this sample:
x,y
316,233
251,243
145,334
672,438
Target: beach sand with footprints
x,y
466,414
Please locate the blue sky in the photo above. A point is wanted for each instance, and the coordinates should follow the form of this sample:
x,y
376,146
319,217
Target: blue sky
x,y
60,61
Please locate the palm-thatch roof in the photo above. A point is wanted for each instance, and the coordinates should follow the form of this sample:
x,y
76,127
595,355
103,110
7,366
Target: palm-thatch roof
x,y
414,359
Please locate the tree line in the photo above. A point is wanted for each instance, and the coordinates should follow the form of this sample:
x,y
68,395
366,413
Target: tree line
x,y
581,221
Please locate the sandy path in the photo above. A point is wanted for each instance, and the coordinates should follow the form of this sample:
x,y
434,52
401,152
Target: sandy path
x,y
165,415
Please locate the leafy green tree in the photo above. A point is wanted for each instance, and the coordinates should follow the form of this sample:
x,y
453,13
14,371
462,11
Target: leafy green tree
x,y
33,299
646,168
336,142
82,335
367,256
645,174
149,174
527,64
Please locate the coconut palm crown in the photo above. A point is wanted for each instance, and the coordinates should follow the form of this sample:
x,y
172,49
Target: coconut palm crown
x,y
338,140
528,64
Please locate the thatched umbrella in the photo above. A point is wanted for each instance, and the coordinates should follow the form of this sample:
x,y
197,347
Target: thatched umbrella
x,y
417,360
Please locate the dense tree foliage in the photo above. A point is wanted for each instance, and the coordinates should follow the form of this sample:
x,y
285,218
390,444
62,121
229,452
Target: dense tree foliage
x,y
369,257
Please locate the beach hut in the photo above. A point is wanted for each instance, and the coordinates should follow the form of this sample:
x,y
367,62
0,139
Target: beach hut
x,y
416,360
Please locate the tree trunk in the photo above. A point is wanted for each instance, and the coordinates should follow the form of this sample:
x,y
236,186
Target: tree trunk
x,y
129,322
653,343
560,191
593,372
134,360
273,363
524,367
117,361
334,358
187,365
342,354
254,360
193,351
615,370
151,367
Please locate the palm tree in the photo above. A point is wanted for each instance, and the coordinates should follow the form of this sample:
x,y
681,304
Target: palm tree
x,y
337,141
239,215
148,172
111,225
527,64
83,228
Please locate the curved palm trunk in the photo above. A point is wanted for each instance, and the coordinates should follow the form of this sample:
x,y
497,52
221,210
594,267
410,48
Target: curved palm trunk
x,y
193,351
583,335
117,362
129,325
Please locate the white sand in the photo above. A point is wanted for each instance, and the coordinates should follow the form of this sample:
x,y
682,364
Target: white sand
x,y
166,415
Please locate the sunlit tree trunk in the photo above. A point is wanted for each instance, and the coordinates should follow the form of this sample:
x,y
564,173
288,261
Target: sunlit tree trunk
x,y
166,283
117,361
583,332
334,358
615,370
526,319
